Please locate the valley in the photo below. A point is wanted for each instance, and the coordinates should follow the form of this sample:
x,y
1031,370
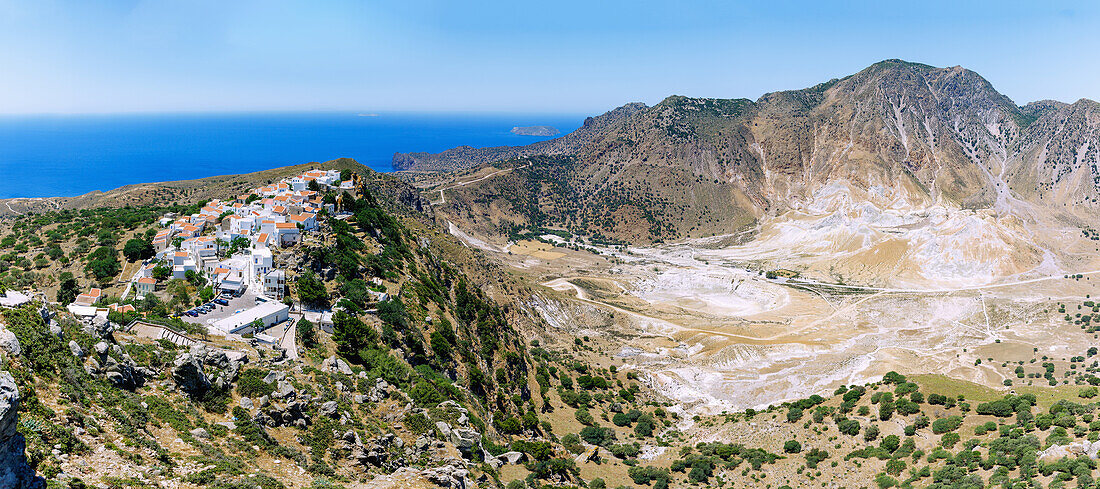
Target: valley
x,y
860,290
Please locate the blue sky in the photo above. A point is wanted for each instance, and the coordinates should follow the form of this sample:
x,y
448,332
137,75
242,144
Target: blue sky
x,y
551,56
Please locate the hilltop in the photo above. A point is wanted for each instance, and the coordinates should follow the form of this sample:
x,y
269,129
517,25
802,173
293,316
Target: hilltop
x,y
912,135
182,192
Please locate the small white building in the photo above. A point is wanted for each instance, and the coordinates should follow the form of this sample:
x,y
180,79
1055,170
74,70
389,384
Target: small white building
x,y
145,285
262,262
307,221
275,284
269,313
287,234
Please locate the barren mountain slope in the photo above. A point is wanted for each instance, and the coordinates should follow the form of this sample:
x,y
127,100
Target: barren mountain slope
x,y
922,135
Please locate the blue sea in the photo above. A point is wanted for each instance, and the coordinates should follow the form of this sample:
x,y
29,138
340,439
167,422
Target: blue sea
x,y
69,155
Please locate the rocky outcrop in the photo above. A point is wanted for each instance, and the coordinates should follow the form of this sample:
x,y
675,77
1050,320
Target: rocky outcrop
x,y
76,350
384,451
189,375
9,343
14,471
1055,453
336,365
99,327
290,414
192,378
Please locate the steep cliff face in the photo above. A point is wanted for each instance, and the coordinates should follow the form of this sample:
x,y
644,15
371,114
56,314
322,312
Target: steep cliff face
x,y
14,472
907,135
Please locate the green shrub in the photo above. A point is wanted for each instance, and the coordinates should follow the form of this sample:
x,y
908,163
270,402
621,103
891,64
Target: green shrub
x,y
251,383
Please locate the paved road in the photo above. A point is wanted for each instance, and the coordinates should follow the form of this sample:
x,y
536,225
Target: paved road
x,y
288,341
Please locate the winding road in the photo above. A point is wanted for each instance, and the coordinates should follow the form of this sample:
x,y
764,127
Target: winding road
x,y
443,199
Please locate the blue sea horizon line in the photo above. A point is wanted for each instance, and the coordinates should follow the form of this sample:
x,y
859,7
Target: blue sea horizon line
x,y
69,155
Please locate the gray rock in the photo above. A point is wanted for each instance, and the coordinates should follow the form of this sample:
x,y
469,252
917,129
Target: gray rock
x,y
422,443
465,439
14,471
235,356
9,343
246,403
217,358
76,349
444,428
200,433
447,476
328,409
228,424
55,329
379,392
101,348
511,458
189,376
285,390
343,367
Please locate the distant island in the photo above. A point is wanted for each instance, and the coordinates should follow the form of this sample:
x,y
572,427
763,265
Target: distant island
x,y
536,131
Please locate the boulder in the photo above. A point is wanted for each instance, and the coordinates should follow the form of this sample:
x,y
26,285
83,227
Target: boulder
x,y
342,366
9,343
379,392
465,439
55,329
102,348
328,409
448,476
99,327
284,390
217,358
511,458
200,433
246,403
235,356
14,471
292,414
189,376
76,350
124,374
590,453
444,428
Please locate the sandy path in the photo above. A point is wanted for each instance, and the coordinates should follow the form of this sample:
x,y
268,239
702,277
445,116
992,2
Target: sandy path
x,y
443,199
811,283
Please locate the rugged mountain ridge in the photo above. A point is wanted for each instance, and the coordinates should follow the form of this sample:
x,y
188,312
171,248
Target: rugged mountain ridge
x,y
910,134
